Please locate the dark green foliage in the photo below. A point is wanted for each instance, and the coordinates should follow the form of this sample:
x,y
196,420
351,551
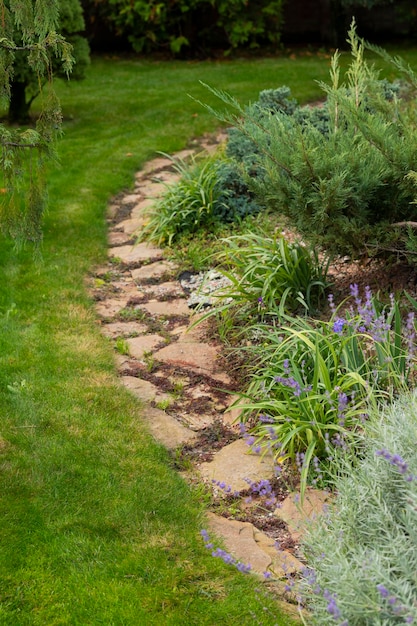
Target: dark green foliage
x,y
25,85
209,193
196,25
28,32
338,172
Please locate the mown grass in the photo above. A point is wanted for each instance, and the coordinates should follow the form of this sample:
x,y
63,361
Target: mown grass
x,y
97,528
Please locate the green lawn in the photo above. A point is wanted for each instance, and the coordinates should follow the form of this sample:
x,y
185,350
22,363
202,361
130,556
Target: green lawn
x,y
96,526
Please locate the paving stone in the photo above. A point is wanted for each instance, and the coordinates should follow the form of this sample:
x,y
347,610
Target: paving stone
x,y
166,429
238,539
110,308
167,308
132,226
297,516
168,177
139,210
196,421
231,417
183,155
118,238
154,165
234,463
136,254
153,271
144,390
151,189
138,346
131,198
283,562
199,357
123,329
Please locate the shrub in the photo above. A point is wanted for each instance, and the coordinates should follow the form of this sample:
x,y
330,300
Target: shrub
x,y
314,381
198,25
362,558
339,174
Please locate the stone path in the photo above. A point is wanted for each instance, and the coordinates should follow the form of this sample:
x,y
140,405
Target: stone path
x,y
176,372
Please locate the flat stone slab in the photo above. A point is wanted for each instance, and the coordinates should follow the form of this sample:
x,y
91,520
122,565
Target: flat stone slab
x,y
283,563
199,357
132,226
153,271
143,389
139,210
155,165
118,238
136,254
123,329
139,346
165,429
238,538
169,308
110,308
234,463
298,515
151,189
131,198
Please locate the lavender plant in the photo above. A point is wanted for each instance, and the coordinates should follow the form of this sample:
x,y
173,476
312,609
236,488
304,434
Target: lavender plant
x,y
362,557
316,380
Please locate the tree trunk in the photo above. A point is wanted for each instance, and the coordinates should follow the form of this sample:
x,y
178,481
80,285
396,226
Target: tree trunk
x,y
18,106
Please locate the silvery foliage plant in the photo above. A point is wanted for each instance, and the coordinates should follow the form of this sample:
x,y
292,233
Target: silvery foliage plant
x,y
362,554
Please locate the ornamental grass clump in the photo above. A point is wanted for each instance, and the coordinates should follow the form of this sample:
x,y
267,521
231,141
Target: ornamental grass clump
x,y
362,557
270,275
314,381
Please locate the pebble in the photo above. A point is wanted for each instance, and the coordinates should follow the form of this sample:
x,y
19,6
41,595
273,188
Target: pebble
x,y
202,287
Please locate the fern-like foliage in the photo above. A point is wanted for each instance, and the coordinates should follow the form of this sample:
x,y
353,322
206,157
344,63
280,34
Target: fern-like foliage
x,y
29,26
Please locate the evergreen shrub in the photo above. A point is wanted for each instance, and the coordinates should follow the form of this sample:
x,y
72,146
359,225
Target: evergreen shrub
x,y
338,172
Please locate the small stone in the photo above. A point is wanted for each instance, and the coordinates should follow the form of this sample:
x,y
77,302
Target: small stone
x,y
132,198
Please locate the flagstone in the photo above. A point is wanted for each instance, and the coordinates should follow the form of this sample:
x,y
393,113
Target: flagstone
x,y
297,515
123,329
167,308
132,226
138,346
144,389
166,429
110,308
130,198
153,271
156,164
200,357
141,209
136,253
235,463
238,539
118,238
